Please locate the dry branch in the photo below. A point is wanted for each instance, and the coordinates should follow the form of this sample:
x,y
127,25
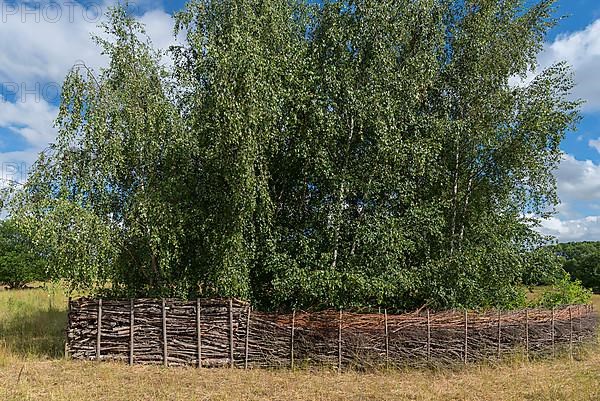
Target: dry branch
x,y
215,332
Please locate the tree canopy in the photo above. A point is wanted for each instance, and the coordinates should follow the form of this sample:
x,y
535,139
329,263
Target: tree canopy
x,y
19,263
354,153
582,261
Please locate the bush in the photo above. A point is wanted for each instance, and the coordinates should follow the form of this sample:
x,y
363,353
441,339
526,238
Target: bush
x,y
19,264
564,292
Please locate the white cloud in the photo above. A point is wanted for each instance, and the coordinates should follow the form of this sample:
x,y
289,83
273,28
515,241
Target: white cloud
x,y
595,143
14,166
43,44
581,50
584,229
40,43
159,27
33,120
578,184
578,180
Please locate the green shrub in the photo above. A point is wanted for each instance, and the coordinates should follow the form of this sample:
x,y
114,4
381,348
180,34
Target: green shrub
x,y
564,292
19,264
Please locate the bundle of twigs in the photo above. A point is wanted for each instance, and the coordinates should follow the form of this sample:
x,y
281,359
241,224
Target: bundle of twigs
x,y
216,332
146,319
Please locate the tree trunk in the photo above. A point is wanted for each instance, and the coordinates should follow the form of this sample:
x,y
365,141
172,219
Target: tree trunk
x,y
340,200
455,197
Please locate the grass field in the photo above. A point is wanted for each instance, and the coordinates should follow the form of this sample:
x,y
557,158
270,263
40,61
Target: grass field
x,y
32,368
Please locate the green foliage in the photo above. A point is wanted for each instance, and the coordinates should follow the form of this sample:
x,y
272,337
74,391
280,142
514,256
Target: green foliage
x,y
564,292
354,153
544,267
100,202
582,261
19,265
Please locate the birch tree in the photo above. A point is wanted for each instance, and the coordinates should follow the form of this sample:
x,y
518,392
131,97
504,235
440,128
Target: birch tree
x,y
355,153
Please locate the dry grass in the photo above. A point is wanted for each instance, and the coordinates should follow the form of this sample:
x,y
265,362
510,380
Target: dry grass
x,y
31,324
60,380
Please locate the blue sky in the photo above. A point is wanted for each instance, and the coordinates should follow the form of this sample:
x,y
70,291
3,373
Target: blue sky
x,y
41,40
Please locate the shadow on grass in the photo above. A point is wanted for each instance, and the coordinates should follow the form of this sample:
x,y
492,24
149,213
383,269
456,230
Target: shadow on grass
x,y
38,333
27,287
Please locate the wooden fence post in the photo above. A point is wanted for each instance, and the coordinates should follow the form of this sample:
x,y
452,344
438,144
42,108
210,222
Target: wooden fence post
x,y
466,336
247,336
131,330
164,333
570,333
579,319
199,331
292,339
387,340
69,320
340,344
231,360
99,330
527,333
553,334
499,334
428,336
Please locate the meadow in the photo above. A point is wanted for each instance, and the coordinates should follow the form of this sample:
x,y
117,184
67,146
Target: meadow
x,y
33,367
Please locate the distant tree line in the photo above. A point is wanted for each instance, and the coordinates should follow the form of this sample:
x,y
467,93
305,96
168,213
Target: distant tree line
x,y
582,261
354,153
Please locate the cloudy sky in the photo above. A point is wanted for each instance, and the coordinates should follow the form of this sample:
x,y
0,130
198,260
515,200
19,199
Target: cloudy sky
x,y
41,40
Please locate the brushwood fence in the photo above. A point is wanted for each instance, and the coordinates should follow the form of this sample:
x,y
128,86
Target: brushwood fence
x,y
215,333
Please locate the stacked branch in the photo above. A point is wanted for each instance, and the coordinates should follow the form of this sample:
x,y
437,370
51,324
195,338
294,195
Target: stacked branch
x,y
216,332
